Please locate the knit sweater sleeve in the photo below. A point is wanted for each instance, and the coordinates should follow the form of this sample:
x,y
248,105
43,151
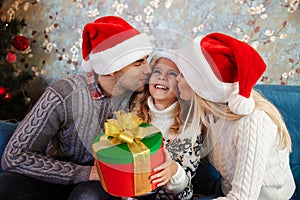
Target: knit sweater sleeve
x,y
26,152
187,161
178,182
253,137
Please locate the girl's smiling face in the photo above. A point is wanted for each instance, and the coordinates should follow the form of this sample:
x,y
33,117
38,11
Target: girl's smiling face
x,y
163,84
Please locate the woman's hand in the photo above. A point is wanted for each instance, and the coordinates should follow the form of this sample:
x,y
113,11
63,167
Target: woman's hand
x,y
165,171
94,174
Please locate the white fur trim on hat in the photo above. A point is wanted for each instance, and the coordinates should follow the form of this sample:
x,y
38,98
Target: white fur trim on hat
x,y
169,54
121,55
86,66
241,105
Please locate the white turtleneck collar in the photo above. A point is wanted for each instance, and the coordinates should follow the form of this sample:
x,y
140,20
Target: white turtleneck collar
x,y
165,113
163,119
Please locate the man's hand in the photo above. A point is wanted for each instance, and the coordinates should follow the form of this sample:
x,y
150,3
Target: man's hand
x,y
94,174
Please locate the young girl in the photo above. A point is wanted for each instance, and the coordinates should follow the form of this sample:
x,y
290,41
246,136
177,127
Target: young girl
x,y
159,105
252,144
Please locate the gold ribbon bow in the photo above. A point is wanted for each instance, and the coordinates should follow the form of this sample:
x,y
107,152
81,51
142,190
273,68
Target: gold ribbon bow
x,y
125,128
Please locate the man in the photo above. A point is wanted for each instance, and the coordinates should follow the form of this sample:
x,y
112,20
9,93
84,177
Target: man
x,y
50,152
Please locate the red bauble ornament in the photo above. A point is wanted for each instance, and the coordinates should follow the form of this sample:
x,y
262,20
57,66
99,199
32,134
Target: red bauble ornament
x,y
2,92
11,57
21,43
7,97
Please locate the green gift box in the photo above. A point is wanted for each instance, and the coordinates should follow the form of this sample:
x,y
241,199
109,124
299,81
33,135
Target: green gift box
x,y
124,167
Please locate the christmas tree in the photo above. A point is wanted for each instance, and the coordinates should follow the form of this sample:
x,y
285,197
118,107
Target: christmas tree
x,y
14,72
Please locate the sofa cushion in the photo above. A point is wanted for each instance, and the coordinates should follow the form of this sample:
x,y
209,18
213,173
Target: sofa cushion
x,y
6,130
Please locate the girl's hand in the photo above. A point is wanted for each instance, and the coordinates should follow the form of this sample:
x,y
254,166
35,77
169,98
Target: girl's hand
x,y
165,171
94,174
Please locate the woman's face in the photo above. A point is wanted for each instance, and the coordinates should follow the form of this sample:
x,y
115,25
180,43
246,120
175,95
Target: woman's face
x,y
184,88
163,84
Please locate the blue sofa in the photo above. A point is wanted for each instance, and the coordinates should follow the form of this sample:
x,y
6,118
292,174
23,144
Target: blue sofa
x,y
285,98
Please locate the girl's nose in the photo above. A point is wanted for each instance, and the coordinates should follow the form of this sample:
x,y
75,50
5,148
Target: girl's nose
x,y
162,77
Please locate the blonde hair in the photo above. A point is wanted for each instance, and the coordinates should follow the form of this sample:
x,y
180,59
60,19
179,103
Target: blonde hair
x,y
194,116
222,111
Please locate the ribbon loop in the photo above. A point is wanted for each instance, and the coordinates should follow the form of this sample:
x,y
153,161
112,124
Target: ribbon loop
x,y
125,128
127,138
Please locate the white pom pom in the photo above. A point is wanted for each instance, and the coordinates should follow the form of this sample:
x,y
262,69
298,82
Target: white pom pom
x,y
86,66
241,105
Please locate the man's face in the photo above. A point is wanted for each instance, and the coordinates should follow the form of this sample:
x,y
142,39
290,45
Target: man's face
x,y
134,76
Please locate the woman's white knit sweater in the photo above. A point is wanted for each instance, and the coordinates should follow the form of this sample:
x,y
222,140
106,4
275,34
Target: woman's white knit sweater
x,y
184,148
249,159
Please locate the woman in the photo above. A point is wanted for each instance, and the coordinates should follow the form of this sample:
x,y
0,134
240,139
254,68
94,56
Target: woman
x,y
247,140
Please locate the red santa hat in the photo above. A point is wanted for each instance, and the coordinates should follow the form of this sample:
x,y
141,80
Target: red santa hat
x,y
110,43
222,69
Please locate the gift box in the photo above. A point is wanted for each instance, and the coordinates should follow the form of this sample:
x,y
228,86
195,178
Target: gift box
x,y
126,154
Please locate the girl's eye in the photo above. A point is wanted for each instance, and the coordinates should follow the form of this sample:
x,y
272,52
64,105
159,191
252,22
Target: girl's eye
x,y
173,74
155,71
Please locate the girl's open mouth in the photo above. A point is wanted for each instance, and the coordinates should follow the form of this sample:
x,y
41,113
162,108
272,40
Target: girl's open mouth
x,y
162,87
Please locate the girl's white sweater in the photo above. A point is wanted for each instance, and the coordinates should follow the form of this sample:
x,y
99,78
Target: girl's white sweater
x,y
184,148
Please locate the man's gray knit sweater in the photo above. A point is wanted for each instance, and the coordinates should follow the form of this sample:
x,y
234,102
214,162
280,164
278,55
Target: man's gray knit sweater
x,y
53,142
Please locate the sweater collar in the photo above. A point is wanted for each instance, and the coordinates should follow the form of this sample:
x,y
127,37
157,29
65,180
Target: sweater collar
x,y
166,113
94,88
